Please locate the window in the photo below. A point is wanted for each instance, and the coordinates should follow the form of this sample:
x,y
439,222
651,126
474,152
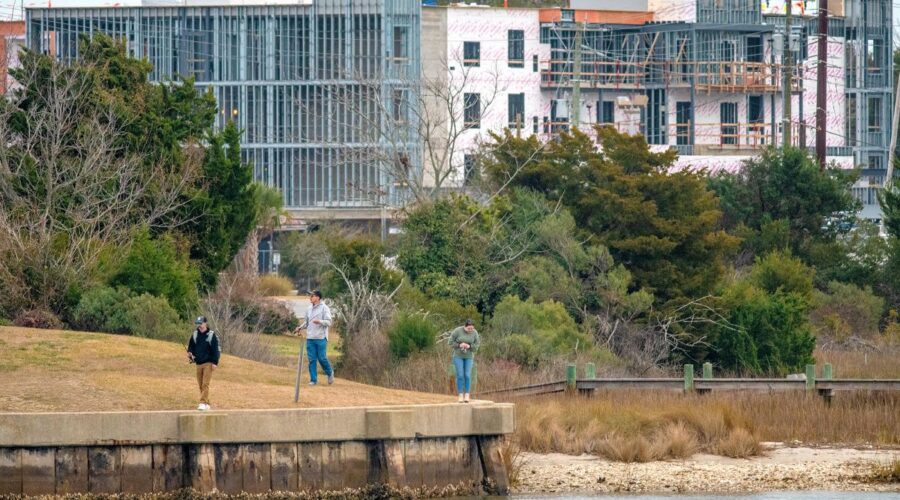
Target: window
x,y
516,110
874,55
559,115
534,122
567,15
401,42
754,49
468,169
516,48
728,117
472,114
756,117
534,63
471,53
398,105
850,121
874,124
606,112
683,123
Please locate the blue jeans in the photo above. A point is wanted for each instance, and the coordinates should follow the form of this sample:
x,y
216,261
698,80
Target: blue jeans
x,y
463,374
315,351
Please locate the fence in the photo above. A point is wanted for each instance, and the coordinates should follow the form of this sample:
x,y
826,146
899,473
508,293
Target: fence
x,y
824,386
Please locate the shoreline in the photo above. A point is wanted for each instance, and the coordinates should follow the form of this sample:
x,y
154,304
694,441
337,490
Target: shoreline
x,y
781,468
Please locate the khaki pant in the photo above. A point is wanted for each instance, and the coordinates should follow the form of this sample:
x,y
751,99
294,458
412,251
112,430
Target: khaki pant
x,y
204,375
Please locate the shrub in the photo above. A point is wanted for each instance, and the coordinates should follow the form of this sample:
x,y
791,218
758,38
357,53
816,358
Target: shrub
x,y
779,271
270,317
102,309
548,326
410,333
156,266
765,332
153,318
445,314
271,285
739,443
520,349
38,318
847,310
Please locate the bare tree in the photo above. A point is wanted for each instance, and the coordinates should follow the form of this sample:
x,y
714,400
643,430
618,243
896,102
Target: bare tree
x,y
68,190
413,129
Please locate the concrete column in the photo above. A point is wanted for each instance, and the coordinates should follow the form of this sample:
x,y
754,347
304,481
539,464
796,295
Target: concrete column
x,y
688,378
810,377
707,371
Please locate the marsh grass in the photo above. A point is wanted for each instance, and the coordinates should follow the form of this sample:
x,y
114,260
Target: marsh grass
x,y
640,426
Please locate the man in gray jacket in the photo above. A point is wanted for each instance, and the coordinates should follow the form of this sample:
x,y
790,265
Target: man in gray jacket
x,y
318,319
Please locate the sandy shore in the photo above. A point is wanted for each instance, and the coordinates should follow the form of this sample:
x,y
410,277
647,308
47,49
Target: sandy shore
x,y
782,468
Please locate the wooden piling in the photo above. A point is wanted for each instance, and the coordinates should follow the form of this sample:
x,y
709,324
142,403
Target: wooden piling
x,y
571,373
688,378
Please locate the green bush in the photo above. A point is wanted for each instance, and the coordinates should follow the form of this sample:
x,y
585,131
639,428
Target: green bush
x,y
409,334
765,332
520,349
547,325
270,317
779,271
102,309
445,314
153,318
847,310
157,267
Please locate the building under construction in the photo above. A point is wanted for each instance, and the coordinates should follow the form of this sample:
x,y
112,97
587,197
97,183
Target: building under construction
x,y
707,77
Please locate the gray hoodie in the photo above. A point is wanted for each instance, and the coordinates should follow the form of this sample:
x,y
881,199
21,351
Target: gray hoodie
x,y
322,313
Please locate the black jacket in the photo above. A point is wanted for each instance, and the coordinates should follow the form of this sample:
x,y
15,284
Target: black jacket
x,y
204,347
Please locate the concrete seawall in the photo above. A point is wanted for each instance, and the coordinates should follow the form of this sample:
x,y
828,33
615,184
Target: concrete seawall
x,y
425,446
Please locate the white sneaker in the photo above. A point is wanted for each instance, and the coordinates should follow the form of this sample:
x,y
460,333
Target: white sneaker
x,y
207,407
201,406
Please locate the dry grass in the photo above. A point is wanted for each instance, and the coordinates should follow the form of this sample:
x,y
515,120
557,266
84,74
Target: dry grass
x,y
885,472
627,427
275,286
52,370
287,347
637,426
884,363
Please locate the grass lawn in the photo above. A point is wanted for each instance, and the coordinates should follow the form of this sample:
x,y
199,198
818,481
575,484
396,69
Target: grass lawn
x,y
52,370
288,346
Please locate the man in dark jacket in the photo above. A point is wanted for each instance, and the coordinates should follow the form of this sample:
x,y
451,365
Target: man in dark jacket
x,y
203,349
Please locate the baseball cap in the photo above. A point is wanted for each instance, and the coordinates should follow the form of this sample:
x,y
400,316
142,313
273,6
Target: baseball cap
x,y
200,320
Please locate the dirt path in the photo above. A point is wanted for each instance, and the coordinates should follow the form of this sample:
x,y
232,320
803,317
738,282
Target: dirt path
x,y
783,468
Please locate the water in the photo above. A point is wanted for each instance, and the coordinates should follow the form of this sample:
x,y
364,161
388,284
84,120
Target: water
x,y
777,495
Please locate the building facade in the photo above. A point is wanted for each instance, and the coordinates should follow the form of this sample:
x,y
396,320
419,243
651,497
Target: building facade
x,y
705,77
306,81
12,37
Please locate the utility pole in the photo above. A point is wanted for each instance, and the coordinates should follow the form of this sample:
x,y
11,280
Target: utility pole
x,y
821,76
787,65
895,122
576,78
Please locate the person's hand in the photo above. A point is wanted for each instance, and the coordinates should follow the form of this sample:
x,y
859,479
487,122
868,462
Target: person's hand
x,y
464,346
190,357
214,367
316,322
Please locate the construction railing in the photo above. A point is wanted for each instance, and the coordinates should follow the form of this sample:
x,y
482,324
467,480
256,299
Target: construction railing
x,y
705,76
